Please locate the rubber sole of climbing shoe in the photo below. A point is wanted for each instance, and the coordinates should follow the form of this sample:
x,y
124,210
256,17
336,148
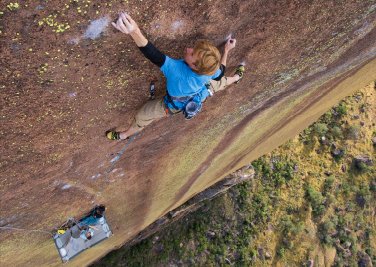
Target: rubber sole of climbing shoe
x,y
240,69
112,135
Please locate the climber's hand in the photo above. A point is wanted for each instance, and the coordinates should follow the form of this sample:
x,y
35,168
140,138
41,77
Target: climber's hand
x,y
125,24
230,44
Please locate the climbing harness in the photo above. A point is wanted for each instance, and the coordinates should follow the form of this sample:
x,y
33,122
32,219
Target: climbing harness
x,y
190,105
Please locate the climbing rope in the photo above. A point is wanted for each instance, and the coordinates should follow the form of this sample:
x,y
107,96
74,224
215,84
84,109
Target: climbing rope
x,y
107,172
23,229
115,159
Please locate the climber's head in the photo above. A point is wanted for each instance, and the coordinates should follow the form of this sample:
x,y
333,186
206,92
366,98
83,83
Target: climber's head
x,y
88,235
204,58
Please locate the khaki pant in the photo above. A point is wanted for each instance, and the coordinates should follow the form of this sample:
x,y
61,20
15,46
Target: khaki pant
x,y
218,85
156,109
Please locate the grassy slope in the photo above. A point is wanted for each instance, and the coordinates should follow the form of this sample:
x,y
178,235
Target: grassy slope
x,y
304,204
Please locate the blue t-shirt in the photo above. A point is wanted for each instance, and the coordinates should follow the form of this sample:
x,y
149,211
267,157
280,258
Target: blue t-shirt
x,y
183,81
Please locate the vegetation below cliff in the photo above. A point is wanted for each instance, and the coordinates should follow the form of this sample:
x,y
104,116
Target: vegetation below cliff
x,y
312,202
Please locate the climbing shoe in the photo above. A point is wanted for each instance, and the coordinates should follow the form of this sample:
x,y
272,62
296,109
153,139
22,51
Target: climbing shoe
x,y
112,135
240,71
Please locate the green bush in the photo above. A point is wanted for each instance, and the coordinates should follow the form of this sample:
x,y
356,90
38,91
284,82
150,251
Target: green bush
x,y
372,186
336,132
360,167
260,208
243,195
244,257
282,170
325,232
346,188
338,153
327,117
306,136
292,209
281,252
330,199
316,200
289,227
261,167
320,128
328,184
363,196
341,109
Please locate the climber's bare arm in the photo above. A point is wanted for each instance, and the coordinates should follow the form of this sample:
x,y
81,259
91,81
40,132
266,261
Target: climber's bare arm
x,y
230,44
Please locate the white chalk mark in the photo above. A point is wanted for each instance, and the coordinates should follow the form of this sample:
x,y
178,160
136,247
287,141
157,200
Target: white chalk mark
x,y
114,170
74,41
115,159
96,176
66,186
93,31
176,25
96,28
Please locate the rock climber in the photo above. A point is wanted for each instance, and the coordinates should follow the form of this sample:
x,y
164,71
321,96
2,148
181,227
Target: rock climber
x,y
86,233
189,80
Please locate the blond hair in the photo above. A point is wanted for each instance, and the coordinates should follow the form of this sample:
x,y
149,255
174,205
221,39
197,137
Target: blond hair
x,y
208,56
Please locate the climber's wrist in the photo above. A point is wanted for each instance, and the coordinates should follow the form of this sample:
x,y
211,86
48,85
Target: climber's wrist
x,y
139,38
